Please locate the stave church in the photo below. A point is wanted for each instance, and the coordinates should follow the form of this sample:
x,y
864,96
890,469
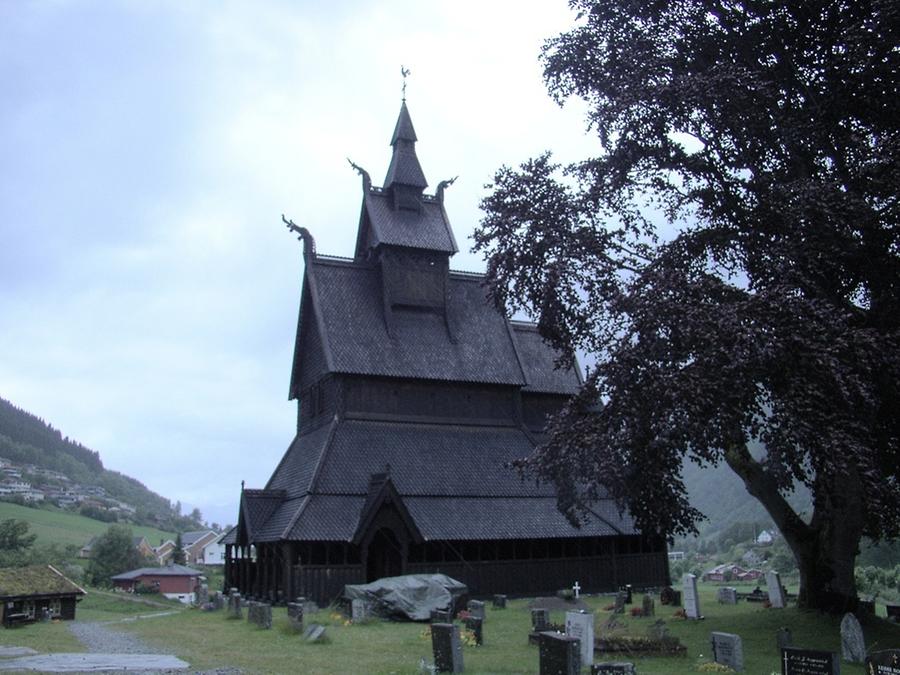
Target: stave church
x,y
414,393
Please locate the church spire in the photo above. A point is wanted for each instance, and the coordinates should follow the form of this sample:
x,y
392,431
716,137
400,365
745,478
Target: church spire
x,y
405,170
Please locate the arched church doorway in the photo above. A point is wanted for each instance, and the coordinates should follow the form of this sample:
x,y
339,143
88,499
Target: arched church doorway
x,y
384,557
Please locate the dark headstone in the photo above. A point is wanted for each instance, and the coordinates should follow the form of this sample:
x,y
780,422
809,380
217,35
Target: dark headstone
x,y
500,602
314,632
648,607
295,616
441,616
628,594
667,596
619,607
264,616
727,595
476,625
476,608
234,605
796,661
853,646
447,649
893,612
559,654
613,668
540,619
884,662
784,638
727,649
676,598
865,608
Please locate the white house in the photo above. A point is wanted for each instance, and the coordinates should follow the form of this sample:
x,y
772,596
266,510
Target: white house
x,y
765,537
213,552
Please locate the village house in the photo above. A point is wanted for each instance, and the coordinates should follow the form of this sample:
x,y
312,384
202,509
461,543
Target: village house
x,y
173,581
731,572
32,593
214,551
163,553
193,543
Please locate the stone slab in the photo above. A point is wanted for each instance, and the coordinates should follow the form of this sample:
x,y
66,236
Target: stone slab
x,y
853,645
87,662
727,649
883,662
558,654
796,661
580,625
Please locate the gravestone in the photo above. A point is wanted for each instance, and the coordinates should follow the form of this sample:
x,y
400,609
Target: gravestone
x,y
500,602
295,616
676,598
358,612
264,615
667,596
649,607
581,625
613,668
476,609
776,591
658,630
728,649
853,646
784,638
218,601
540,619
202,594
476,625
559,654
893,612
796,661
883,662
441,616
447,649
727,595
691,599
234,605
628,595
314,632
619,607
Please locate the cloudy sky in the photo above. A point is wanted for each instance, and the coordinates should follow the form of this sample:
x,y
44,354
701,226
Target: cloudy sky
x,y
148,290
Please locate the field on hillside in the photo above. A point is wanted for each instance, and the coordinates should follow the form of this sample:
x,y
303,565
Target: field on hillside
x,y
63,527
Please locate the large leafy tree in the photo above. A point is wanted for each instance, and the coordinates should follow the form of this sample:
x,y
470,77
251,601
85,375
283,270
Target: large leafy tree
x,y
113,552
766,311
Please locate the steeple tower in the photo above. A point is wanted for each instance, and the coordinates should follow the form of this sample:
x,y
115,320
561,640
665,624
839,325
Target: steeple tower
x,y
405,180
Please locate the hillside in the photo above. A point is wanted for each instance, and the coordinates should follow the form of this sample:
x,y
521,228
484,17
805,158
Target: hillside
x,y
67,473
54,526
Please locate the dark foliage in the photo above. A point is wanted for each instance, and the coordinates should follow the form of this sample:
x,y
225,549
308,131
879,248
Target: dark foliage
x,y
767,133
113,552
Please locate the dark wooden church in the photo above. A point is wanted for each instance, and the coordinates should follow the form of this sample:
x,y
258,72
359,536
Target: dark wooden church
x,y
414,393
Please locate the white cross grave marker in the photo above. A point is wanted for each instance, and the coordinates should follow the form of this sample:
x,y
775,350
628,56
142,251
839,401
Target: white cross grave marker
x,y
576,588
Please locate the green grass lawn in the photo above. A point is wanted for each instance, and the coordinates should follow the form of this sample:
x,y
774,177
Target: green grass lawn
x,y
63,527
210,640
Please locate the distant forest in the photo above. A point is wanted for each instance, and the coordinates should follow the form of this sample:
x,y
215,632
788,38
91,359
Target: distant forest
x,y
27,439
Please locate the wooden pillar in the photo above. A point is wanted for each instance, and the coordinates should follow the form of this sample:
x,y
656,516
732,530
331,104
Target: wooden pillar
x,y
228,567
287,549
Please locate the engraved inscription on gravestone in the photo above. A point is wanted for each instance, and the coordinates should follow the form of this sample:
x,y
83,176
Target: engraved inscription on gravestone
x,y
883,662
727,595
728,649
581,625
613,668
795,661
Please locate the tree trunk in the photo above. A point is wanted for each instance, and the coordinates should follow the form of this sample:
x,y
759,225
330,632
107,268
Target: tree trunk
x,y
825,548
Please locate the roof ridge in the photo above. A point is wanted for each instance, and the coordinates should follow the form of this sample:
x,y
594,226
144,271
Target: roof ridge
x,y
325,448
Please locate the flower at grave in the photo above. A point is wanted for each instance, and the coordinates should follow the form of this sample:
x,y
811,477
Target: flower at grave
x,y
467,637
463,615
637,611
336,616
425,634
609,608
680,614
711,667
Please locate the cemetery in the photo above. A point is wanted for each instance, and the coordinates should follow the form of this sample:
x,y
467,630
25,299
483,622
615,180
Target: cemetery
x,y
338,639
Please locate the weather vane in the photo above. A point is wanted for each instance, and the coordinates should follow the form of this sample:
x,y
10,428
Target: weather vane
x,y
404,72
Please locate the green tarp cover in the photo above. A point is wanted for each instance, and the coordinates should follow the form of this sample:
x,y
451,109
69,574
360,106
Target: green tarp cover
x,y
413,596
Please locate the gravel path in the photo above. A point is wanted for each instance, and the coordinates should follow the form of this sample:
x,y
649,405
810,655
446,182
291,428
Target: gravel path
x,y
101,639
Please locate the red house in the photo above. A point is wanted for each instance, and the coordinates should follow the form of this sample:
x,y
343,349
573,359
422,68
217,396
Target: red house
x,y
173,581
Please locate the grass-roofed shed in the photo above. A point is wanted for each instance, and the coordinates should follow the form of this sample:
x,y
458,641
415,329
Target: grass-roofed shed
x,y
30,593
